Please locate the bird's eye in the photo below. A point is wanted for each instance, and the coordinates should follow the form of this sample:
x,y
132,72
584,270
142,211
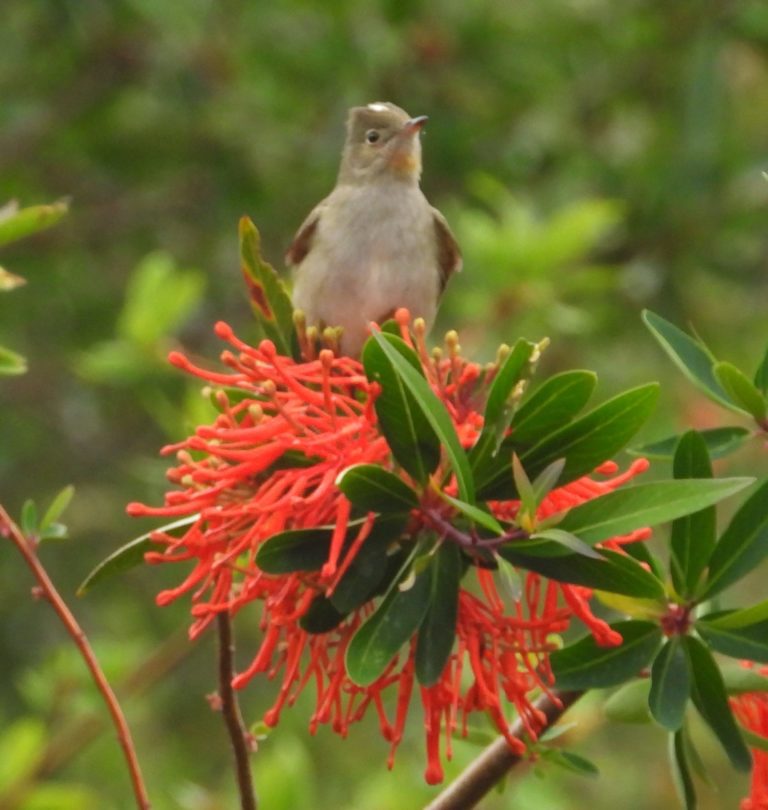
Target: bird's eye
x,y
372,135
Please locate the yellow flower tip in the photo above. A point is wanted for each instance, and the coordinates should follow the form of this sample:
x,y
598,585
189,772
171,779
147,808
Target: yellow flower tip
x,y
256,412
540,347
419,327
299,320
452,343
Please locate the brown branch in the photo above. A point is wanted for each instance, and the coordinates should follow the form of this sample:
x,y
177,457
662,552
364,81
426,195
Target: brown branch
x,y
231,710
497,759
28,550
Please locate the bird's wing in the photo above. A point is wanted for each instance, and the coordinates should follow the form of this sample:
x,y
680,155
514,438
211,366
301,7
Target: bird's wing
x,y
302,242
448,251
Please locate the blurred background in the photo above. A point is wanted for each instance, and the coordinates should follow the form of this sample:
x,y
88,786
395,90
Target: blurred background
x,y
592,157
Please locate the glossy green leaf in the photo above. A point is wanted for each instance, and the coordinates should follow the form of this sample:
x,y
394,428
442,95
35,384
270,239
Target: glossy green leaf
x,y
409,434
393,623
615,573
681,769
295,550
737,619
711,700
270,301
438,629
373,566
11,363
719,442
761,375
584,443
322,616
553,404
375,489
742,546
694,534
18,223
629,703
746,641
433,410
670,685
131,554
587,665
633,507
741,390
691,356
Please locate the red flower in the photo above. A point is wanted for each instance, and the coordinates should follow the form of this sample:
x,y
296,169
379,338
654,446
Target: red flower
x,y
269,463
752,711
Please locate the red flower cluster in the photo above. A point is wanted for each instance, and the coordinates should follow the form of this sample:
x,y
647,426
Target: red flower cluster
x,y
269,463
752,711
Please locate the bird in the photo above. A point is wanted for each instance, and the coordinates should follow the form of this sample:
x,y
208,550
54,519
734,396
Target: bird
x,y
374,244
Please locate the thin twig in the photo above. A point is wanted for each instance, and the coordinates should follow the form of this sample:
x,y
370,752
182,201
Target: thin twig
x,y
497,759
27,548
231,710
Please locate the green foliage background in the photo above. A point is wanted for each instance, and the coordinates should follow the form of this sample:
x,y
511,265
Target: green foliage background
x,y
593,158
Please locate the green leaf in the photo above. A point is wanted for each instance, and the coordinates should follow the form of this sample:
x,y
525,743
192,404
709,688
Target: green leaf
x,y
691,356
681,770
740,680
409,434
395,620
438,629
571,762
433,410
670,685
269,299
694,534
615,573
587,665
710,698
11,363
131,554
624,510
552,405
761,375
742,546
629,703
372,566
29,524
321,616
374,489
741,390
476,514
568,540
738,619
18,223
719,442
584,443
729,634
499,406
60,502
754,740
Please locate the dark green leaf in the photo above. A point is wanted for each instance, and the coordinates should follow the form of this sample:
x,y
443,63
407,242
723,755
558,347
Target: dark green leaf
x,y
719,441
131,554
693,535
761,375
629,703
552,405
269,299
433,410
372,566
585,443
321,616
615,573
710,698
741,389
729,634
396,619
624,510
670,685
295,550
438,630
409,434
681,771
375,489
742,545
587,665
691,356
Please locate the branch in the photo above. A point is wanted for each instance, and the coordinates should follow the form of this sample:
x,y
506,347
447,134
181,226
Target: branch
x,y
497,759
28,550
231,711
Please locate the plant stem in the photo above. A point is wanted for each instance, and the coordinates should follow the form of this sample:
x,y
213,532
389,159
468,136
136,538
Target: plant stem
x,y
28,550
231,711
497,759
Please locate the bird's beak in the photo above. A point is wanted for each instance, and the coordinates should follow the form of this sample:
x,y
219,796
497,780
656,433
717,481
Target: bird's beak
x,y
414,125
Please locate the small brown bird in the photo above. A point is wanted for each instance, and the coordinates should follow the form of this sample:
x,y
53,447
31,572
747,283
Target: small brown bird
x,y
374,244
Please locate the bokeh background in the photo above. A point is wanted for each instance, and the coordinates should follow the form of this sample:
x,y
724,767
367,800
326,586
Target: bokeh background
x,y
593,158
